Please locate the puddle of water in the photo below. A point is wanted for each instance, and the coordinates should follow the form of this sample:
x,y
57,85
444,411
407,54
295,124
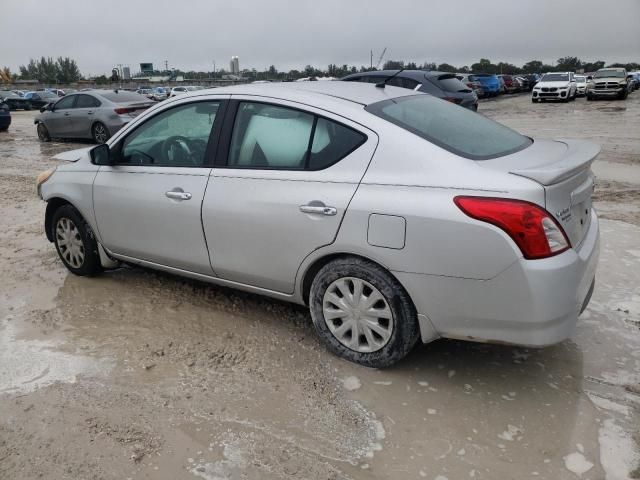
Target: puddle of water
x,y
28,365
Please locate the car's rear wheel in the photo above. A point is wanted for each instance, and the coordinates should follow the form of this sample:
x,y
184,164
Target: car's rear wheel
x,y
100,132
75,242
362,313
27,106
43,133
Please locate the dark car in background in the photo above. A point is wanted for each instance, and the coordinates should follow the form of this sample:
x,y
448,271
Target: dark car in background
x,y
40,99
439,84
5,116
14,101
490,83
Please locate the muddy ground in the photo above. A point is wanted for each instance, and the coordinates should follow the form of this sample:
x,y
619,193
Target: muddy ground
x,y
141,375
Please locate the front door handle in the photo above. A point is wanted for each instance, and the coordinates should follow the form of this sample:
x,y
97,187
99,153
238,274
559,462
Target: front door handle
x,y
319,209
178,195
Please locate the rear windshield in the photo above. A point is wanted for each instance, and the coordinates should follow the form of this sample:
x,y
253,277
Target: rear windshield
x,y
123,97
451,127
449,83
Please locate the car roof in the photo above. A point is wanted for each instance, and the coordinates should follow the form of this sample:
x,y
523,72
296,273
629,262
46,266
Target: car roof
x,y
356,92
415,74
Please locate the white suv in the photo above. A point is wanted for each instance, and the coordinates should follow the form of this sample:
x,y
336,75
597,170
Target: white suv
x,y
555,86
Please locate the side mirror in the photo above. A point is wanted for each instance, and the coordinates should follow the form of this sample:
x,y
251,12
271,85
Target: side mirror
x,y
589,77
101,155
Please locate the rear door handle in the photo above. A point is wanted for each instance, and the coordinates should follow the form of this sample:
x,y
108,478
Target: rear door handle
x,y
319,209
178,195
67,114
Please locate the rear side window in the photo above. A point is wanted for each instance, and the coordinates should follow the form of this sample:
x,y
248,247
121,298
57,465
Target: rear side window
x,y
451,127
86,101
449,83
273,137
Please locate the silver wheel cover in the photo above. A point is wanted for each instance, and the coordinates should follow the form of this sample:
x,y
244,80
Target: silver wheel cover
x,y
69,242
357,315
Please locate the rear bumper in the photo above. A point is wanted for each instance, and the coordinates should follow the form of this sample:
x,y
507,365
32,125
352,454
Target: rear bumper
x,y
532,303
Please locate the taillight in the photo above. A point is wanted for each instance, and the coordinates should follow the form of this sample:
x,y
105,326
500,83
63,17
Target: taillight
x,y
120,111
535,231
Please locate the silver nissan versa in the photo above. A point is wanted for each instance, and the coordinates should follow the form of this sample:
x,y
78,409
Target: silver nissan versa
x,y
394,215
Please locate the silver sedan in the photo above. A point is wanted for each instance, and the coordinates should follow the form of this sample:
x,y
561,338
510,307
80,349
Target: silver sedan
x,y
93,114
395,216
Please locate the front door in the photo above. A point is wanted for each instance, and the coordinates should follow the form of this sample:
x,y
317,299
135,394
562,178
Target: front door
x,y
84,115
148,205
281,194
58,119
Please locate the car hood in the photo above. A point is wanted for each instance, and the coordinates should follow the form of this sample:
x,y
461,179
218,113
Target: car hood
x,y
73,155
562,84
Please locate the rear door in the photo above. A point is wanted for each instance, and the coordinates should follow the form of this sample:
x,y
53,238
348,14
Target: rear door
x,y
83,115
286,178
148,205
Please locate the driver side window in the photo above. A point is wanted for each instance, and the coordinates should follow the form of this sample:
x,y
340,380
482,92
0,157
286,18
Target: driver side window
x,y
174,138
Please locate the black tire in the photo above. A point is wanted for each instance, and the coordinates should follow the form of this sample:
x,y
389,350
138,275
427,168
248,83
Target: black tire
x,y
100,132
405,332
624,95
534,100
43,133
27,106
589,98
81,232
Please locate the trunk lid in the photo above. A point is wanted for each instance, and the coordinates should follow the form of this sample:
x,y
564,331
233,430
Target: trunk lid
x,y
563,169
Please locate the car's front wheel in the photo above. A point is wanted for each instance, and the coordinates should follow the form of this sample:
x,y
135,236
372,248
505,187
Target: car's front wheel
x,y
100,132
75,242
43,133
362,312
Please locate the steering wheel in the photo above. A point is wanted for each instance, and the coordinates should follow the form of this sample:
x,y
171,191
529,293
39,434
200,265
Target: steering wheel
x,y
178,149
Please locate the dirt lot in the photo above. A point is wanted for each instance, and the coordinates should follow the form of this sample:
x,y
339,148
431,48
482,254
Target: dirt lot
x,y
142,375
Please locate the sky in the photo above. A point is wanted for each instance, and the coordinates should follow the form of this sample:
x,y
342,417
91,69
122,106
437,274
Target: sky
x,y
192,34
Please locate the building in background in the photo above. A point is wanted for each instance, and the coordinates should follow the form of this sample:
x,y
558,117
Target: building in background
x,y
234,66
126,73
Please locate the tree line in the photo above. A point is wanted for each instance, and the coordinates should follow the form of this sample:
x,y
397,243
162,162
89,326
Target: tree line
x,y
65,70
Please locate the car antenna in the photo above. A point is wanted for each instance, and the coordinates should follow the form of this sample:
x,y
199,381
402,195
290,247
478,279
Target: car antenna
x,y
384,82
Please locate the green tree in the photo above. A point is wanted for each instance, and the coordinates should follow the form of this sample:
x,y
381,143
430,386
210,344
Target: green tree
x,y
484,66
534,66
445,67
429,66
507,68
101,80
68,71
393,65
47,70
568,64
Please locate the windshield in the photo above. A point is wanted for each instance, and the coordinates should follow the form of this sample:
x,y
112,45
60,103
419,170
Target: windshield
x,y
555,77
581,79
451,127
608,74
449,83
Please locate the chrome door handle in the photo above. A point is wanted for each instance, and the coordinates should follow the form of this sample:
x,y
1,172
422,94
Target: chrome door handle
x,y
319,209
178,195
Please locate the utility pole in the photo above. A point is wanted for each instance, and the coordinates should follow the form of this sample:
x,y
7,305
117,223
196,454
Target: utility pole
x,y
166,65
371,59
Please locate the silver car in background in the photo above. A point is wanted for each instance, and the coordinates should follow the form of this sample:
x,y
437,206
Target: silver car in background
x,y
94,114
394,215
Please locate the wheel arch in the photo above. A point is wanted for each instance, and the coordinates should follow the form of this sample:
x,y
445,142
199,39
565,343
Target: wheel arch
x,y
314,267
53,204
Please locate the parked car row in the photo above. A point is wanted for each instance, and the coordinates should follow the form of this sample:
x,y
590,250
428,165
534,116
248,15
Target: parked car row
x,y
566,86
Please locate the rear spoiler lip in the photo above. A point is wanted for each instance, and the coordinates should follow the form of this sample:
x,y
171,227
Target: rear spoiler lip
x,y
580,155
